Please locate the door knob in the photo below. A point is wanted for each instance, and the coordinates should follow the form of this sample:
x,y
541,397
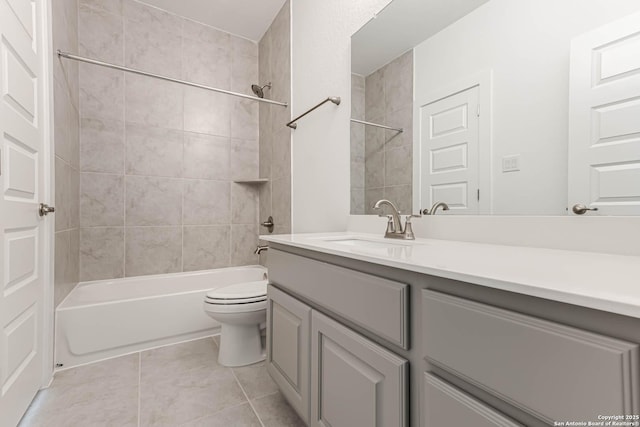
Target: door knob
x,y
45,209
580,209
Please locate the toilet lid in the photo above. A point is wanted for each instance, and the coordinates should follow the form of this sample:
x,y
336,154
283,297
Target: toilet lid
x,y
247,291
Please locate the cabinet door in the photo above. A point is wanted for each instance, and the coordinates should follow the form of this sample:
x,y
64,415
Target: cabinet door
x,y
384,311
288,328
354,381
445,405
551,371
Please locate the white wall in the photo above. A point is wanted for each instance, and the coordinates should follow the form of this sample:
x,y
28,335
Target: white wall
x,y
526,43
321,67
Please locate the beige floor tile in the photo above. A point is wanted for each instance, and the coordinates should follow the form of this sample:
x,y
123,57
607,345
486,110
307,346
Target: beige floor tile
x,y
181,384
238,416
180,357
184,382
255,380
100,394
274,411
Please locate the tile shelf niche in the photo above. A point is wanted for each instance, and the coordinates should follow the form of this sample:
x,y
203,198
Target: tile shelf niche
x,y
252,181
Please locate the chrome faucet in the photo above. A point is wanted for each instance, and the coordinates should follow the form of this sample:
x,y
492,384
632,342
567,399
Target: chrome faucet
x,y
260,249
394,218
435,207
394,225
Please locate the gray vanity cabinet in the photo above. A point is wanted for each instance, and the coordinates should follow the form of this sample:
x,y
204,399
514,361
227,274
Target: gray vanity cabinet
x,y
288,340
551,371
446,405
343,333
330,374
355,382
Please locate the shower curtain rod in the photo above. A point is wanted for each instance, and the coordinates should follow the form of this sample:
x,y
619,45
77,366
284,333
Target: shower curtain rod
x,y
170,79
362,122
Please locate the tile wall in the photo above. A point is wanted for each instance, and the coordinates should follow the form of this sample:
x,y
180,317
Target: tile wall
x,y
357,145
158,159
66,143
388,155
275,137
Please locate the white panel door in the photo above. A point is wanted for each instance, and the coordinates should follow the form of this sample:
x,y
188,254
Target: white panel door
x,y
604,119
22,230
449,138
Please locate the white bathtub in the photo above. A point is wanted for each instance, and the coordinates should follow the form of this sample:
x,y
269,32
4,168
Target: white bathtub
x,y
109,318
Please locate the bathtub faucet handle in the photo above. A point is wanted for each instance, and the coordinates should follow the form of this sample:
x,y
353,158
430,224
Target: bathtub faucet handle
x,y
260,249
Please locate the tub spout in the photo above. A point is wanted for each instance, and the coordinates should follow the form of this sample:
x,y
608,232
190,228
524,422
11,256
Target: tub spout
x,y
260,249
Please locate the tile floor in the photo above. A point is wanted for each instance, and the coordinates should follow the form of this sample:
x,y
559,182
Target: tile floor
x,y
178,385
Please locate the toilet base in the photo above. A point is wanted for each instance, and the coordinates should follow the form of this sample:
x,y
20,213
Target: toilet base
x,y
240,345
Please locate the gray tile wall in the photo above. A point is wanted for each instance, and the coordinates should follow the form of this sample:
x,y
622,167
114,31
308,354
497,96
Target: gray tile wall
x,y
158,159
275,137
388,155
66,143
357,145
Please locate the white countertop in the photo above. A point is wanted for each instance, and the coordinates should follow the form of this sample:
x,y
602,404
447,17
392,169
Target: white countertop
x,y
595,280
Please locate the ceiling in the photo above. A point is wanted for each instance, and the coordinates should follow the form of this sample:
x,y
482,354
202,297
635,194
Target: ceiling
x,y
400,26
246,18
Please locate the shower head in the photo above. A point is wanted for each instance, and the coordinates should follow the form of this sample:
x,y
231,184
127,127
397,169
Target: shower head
x,y
259,90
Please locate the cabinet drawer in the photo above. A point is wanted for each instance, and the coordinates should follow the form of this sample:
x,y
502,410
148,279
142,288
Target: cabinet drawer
x,y
445,405
288,359
376,304
552,371
354,382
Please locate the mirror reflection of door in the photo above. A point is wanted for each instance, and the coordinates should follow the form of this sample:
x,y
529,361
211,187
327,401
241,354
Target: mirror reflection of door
x,y
449,138
604,119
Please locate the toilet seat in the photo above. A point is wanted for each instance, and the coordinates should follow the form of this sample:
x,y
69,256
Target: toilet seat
x,y
235,308
238,298
234,301
239,293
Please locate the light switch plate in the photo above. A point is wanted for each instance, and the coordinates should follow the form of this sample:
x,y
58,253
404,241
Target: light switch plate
x,y
511,163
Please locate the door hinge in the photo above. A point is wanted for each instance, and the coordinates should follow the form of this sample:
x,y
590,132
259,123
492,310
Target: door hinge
x,y
478,194
478,111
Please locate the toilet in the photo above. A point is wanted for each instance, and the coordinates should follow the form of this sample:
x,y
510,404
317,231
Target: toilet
x,y
241,309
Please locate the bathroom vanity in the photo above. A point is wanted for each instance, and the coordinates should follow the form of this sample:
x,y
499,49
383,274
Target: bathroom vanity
x,y
364,331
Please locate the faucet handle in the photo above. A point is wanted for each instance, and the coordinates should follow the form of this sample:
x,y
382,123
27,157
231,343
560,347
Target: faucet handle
x,y
408,228
408,217
390,226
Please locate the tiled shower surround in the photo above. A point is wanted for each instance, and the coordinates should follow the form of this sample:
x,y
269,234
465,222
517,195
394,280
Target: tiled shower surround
x,y
357,145
158,159
382,160
66,142
275,137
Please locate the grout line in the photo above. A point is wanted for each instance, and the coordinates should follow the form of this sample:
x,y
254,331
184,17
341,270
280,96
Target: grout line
x,y
124,157
215,413
247,397
139,385
183,92
267,395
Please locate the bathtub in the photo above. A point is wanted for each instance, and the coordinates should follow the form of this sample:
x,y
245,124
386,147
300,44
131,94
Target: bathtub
x,y
109,318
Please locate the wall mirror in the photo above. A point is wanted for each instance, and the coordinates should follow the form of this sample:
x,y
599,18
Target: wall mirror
x,y
503,107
